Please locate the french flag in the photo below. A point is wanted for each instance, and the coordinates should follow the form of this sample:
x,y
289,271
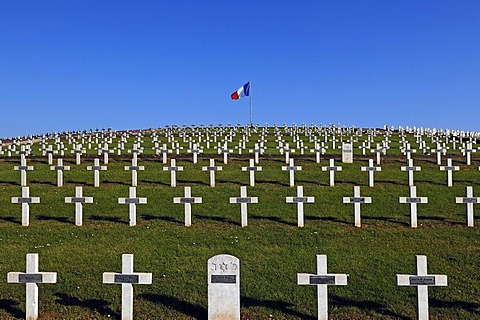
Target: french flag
x,y
241,92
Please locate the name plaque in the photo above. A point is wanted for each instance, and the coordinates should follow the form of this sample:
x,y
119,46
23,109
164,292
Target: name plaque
x,y
24,200
299,199
357,200
422,280
414,200
78,200
244,200
470,200
187,200
322,279
126,278
230,279
132,200
30,278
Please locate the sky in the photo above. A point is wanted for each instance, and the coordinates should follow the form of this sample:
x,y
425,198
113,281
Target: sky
x,y
84,64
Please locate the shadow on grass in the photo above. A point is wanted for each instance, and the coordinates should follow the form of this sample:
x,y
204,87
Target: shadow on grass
x,y
111,182
79,183
100,306
441,219
471,307
10,306
282,306
274,219
59,219
230,181
364,305
157,182
11,219
184,307
107,218
216,218
12,183
164,218
331,219
193,183
282,184
49,183
386,219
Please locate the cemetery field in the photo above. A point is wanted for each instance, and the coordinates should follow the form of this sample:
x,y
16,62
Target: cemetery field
x,y
272,249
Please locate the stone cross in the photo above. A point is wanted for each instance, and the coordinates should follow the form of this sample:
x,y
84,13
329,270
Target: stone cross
x,y
105,151
410,169
347,152
439,150
195,152
331,168
469,200
60,168
173,172
467,151
371,170
212,168
25,200
322,279
78,153
243,200
256,151
378,151
300,200
225,151
165,151
449,168
96,168
407,150
134,168
127,278
422,280
357,200
31,278
187,200
413,200
291,168
223,287
319,150
252,168
23,170
49,152
132,202
79,200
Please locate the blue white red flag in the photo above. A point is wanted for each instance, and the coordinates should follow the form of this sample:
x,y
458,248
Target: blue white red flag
x,y
241,92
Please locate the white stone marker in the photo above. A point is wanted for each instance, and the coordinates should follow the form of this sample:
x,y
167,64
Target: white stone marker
x,y
322,279
319,150
257,151
469,200
300,200
49,152
60,168
25,200
188,200
195,151
225,151
212,168
291,168
357,200
105,151
134,168
127,278
371,170
287,151
23,170
378,151
243,200
347,152
252,168
78,153
422,280
31,277
165,151
96,168
467,152
223,287
79,200
410,169
449,168
132,202
413,200
173,172
331,168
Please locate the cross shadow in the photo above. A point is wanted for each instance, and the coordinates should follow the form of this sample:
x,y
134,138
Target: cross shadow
x,y
272,182
331,219
59,219
471,307
78,183
116,182
100,306
11,219
220,219
158,182
229,181
10,306
386,219
194,183
387,182
285,307
107,218
44,182
168,219
187,308
441,219
10,183
273,218
365,305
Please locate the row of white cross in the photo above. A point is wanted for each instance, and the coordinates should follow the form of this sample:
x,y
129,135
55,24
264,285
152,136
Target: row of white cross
x,y
223,285
291,168
243,200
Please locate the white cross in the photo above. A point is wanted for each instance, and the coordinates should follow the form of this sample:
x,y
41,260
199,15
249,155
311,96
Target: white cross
x,y
291,168
59,168
422,280
195,151
257,151
410,169
225,152
31,277
96,168
243,200
132,202
23,170
252,168
212,168
78,153
79,199
467,151
322,279
357,200
105,151
378,150
331,168
300,200
319,150
449,168
49,152
287,151
25,200
413,200
469,200
173,172
127,278
371,170
165,151
188,200
134,168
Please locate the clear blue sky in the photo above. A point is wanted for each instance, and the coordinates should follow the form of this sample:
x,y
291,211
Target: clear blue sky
x,y
68,65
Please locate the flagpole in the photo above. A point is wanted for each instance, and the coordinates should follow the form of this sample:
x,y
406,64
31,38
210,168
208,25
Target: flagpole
x,y
251,124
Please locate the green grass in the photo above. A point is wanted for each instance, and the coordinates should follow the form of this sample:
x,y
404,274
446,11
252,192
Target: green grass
x,y
271,249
